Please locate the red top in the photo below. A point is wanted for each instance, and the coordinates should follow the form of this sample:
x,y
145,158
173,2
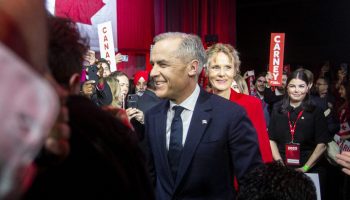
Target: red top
x,y
255,112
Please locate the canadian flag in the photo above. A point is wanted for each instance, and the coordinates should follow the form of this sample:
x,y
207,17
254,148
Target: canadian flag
x,y
87,14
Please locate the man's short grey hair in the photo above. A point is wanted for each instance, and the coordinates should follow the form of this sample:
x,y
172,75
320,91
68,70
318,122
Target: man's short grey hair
x,y
191,47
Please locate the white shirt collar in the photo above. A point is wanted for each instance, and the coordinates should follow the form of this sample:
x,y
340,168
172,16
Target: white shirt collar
x,y
190,102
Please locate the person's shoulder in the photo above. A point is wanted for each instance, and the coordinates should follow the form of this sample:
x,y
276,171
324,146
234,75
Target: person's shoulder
x,y
244,100
316,110
79,102
251,99
225,105
158,107
149,95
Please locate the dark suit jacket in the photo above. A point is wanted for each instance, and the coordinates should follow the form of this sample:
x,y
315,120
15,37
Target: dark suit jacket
x,y
221,142
147,101
255,112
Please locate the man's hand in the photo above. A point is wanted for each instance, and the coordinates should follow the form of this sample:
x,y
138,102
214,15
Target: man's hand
x,y
89,58
118,58
88,88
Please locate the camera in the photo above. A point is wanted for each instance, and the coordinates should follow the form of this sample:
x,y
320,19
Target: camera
x,y
132,100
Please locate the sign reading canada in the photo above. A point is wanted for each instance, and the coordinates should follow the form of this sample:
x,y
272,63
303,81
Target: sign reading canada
x,y
105,35
276,58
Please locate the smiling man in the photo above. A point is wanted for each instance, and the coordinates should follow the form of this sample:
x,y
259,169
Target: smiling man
x,y
198,141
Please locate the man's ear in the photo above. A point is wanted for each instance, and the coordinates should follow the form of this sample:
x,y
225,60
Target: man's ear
x,y
74,84
193,68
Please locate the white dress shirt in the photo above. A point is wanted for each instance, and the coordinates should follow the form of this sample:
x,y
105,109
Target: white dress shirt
x,y
186,115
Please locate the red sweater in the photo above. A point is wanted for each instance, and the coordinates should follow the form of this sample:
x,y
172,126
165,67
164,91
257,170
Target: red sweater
x,y
255,112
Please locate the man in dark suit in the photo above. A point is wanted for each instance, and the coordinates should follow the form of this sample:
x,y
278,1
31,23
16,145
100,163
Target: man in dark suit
x,y
149,98
198,141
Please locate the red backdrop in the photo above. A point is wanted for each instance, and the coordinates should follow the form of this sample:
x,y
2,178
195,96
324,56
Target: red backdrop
x,y
140,20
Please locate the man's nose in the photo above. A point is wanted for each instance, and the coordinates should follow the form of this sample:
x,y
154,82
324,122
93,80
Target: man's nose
x,y
154,72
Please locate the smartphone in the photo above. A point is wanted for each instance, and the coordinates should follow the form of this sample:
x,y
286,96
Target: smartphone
x,y
132,100
251,73
125,58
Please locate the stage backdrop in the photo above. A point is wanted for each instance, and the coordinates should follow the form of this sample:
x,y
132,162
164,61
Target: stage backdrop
x,y
138,21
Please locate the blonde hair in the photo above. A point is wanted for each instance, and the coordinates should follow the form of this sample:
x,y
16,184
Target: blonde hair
x,y
242,85
115,90
227,49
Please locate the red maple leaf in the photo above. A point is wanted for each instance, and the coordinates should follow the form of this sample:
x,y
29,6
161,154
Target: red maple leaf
x,y
78,10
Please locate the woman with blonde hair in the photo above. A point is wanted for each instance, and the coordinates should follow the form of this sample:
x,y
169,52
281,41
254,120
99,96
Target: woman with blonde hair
x,y
223,65
239,85
115,90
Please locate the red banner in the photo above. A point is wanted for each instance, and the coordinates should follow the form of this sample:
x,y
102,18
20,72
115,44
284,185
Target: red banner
x,y
276,58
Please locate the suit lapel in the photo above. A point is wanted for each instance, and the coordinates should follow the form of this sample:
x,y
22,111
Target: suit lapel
x,y
200,121
160,133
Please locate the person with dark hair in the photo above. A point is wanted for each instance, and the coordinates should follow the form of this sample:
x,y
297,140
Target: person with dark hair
x,y
260,86
274,181
298,129
149,98
95,86
325,100
104,160
26,82
273,95
123,81
103,64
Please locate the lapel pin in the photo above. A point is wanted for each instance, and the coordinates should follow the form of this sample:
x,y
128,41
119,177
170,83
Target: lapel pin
x,y
204,121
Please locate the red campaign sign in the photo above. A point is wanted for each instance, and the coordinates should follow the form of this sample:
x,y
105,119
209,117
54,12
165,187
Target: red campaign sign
x,y
276,58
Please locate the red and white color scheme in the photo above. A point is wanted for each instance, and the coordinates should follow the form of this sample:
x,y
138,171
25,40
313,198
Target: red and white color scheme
x,y
276,58
88,14
105,35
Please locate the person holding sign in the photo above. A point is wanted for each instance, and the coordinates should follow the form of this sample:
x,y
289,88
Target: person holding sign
x,y
298,129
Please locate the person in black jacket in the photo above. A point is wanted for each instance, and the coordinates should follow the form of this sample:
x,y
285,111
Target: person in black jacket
x,y
95,87
104,160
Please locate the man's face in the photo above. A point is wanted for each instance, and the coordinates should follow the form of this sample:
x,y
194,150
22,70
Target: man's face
x,y
221,72
124,85
141,85
106,70
170,73
260,84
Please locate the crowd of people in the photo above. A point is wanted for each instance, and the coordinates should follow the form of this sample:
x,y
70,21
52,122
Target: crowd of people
x,y
161,135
